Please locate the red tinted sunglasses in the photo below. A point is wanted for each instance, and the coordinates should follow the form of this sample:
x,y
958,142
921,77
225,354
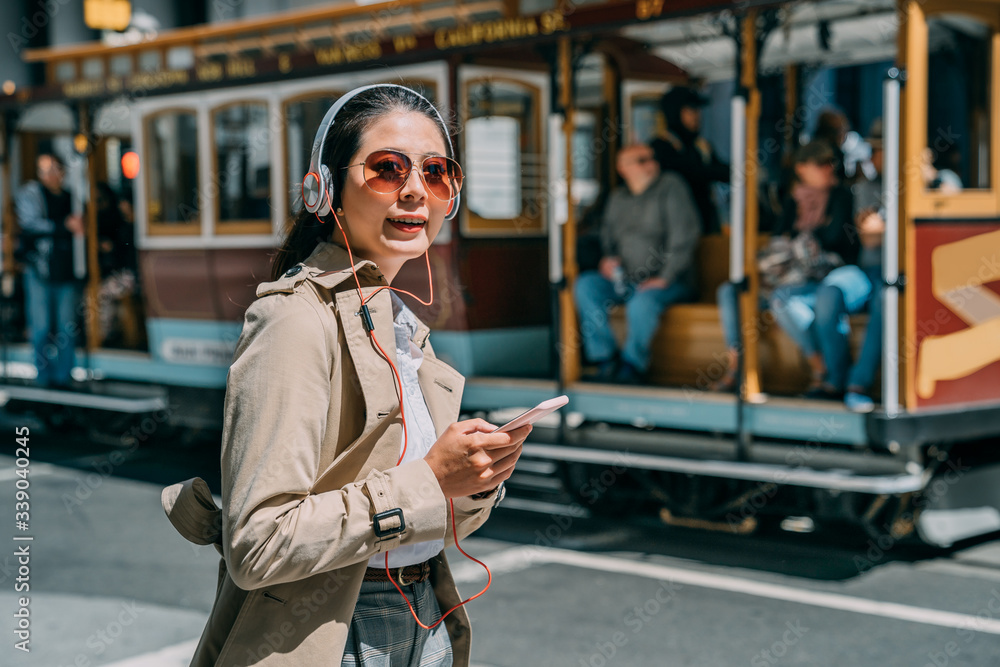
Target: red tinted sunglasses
x,y
386,171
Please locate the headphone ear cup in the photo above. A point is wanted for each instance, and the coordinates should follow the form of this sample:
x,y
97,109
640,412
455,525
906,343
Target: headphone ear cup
x,y
326,189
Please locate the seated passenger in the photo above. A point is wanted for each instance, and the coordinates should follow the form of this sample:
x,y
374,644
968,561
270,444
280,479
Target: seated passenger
x,y
814,235
832,127
822,209
649,235
869,211
936,172
684,151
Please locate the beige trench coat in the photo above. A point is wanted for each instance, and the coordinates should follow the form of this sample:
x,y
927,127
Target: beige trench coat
x,y
311,438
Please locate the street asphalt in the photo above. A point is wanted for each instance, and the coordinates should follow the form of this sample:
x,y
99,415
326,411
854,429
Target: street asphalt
x,y
111,583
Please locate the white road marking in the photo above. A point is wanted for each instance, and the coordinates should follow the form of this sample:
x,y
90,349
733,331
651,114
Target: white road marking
x,y
178,655
957,568
521,558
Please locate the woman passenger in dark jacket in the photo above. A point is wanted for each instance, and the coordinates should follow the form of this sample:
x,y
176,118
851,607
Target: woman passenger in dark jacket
x,y
818,214
819,206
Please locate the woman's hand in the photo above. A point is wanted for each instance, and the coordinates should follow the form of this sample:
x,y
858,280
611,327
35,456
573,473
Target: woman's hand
x,y
468,459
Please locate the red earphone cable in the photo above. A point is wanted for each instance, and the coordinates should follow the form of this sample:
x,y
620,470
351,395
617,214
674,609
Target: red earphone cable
x,y
402,416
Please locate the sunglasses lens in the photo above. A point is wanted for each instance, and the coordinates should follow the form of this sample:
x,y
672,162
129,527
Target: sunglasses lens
x,y
443,177
386,171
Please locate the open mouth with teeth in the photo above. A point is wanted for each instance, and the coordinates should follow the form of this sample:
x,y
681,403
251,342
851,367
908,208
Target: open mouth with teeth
x,y
408,225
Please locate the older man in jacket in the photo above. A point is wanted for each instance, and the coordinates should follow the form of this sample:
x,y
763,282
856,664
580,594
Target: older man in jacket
x,y
52,289
649,235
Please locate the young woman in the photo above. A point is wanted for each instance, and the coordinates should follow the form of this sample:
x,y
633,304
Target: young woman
x,y
337,500
818,218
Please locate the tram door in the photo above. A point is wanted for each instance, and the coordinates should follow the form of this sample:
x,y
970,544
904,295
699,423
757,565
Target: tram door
x,y
118,300
950,204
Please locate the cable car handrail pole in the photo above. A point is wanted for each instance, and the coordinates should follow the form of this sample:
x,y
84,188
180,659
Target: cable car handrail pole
x,y
890,244
737,252
737,188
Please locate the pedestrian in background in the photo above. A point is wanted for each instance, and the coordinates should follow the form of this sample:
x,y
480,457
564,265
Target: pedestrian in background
x,y
52,288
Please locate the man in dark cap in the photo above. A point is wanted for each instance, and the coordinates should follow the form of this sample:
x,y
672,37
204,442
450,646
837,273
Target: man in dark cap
x,y
684,151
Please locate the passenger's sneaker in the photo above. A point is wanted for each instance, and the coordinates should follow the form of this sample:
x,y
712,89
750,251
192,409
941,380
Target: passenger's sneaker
x,y
629,374
856,402
607,371
824,392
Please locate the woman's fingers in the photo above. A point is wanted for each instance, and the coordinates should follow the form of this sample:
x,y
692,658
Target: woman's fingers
x,y
470,426
500,440
503,467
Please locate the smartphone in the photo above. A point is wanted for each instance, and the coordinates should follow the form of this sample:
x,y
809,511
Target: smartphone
x,y
534,414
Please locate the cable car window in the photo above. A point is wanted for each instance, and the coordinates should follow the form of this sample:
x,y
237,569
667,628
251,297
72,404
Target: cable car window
x,y
504,165
957,155
302,119
172,171
121,65
149,61
93,68
493,165
242,167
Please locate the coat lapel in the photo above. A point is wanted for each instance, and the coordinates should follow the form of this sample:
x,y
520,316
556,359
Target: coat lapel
x,y
441,385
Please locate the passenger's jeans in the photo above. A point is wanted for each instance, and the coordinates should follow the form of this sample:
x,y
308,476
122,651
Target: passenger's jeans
x,y
51,313
727,298
816,317
595,294
862,375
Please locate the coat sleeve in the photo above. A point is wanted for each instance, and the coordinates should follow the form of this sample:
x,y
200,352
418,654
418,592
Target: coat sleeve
x,y
683,227
279,392
470,514
30,205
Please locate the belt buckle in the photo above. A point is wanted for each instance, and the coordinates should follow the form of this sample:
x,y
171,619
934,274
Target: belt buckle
x,y
399,578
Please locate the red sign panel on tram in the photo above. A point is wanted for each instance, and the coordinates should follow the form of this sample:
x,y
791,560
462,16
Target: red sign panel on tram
x,y
956,346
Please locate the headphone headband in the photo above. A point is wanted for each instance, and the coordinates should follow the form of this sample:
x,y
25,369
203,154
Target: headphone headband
x,y
318,185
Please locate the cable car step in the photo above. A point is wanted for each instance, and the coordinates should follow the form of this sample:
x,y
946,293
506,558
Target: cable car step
x,y
110,396
835,479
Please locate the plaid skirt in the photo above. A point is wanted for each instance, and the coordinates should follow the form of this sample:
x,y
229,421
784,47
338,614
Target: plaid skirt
x,y
384,634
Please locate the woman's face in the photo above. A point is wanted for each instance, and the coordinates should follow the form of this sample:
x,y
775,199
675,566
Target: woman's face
x,y
390,229
816,175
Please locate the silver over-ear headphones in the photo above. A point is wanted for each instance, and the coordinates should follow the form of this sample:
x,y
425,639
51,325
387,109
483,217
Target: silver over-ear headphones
x,y
317,184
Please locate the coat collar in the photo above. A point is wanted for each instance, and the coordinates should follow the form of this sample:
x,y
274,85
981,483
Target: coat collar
x,y
329,265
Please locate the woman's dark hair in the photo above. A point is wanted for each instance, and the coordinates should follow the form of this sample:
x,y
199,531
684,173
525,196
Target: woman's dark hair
x,y
342,142
816,151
